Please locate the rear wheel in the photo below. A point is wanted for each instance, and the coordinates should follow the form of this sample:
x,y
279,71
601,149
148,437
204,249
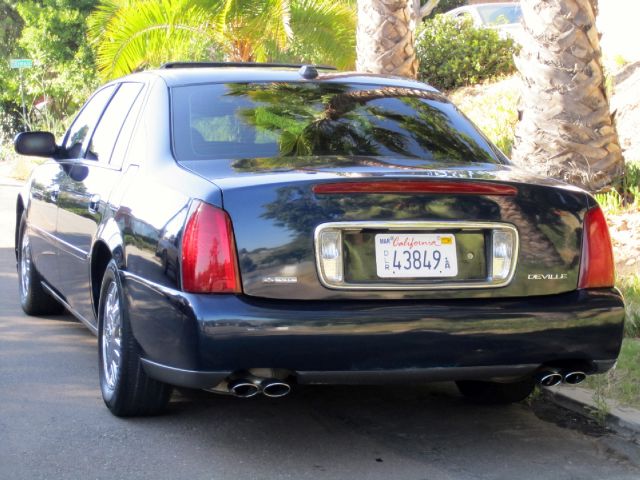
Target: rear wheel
x,y
496,393
34,299
126,389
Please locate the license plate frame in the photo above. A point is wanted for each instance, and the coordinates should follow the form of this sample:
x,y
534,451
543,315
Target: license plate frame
x,y
429,256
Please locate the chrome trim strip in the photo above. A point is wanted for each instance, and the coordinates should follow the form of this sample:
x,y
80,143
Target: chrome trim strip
x,y
86,322
425,226
81,254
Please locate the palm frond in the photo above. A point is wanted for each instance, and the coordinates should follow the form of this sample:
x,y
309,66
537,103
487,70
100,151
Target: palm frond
x,y
325,31
135,35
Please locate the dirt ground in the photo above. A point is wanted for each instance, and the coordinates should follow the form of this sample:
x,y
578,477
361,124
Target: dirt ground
x,y
625,236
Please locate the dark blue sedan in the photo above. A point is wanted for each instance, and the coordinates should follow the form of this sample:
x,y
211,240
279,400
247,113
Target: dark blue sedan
x,y
243,229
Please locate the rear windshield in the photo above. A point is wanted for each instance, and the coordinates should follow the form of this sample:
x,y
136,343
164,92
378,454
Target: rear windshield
x,y
258,120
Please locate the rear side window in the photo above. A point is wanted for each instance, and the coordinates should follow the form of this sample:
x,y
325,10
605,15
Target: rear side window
x,y
235,121
86,121
105,135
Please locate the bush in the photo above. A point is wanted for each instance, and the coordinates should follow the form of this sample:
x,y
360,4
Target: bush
x,y
454,53
446,5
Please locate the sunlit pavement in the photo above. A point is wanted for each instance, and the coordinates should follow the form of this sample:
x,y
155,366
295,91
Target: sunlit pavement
x,y
54,425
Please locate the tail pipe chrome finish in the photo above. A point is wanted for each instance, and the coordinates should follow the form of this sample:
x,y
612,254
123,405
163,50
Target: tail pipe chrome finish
x,y
548,378
243,388
573,378
275,388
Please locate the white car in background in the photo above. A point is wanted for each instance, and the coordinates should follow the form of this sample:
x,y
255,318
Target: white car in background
x,y
504,17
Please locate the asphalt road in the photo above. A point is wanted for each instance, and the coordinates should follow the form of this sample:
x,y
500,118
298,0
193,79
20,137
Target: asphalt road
x,y
54,425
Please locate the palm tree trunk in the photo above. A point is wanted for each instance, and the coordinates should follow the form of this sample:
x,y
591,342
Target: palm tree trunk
x,y
385,37
566,130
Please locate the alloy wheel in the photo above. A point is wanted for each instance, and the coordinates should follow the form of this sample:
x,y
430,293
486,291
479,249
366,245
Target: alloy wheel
x,y
25,267
112,336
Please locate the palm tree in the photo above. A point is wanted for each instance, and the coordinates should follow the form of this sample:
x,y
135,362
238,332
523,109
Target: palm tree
x,y
566,129
132,34
385,37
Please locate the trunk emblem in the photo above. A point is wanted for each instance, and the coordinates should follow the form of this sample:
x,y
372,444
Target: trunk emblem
x,y
547,276
279,279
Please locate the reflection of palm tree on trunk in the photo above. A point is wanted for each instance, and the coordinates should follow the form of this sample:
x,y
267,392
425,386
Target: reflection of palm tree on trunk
x,y
535,247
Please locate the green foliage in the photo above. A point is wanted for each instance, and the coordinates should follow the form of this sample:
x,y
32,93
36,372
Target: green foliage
x,y
611,202
614,202
132,35
446,5
129,35
52,34
454,53
493,108
621,383
630,287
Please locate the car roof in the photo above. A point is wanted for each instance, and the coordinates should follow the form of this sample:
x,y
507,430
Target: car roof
x,y
175,77
487,4
493,4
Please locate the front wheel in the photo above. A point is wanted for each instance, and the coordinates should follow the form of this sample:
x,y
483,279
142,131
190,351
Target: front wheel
x,y
34,300
496,393
126,389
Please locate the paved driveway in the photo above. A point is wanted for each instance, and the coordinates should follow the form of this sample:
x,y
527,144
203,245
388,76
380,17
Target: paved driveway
x,y
54,425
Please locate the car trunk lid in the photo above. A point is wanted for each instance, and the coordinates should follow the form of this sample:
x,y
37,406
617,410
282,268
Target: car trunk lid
x,y
451,214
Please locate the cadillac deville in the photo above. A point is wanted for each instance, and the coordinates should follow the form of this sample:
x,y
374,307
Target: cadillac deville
x,y
245,228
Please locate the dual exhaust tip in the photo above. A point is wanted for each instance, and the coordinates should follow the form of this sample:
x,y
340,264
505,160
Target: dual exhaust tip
x,y
251,386
550,378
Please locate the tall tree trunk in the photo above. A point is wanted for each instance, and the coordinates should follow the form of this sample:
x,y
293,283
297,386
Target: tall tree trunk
x,y
385,37
566,130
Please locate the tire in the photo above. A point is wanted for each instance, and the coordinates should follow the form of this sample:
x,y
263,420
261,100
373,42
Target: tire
x,y
34,299
494,393
126,389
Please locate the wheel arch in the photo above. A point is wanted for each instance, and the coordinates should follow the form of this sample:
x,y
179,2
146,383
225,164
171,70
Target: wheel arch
x,y
107,246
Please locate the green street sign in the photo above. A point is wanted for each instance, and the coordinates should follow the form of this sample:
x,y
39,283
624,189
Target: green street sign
x,y
21,63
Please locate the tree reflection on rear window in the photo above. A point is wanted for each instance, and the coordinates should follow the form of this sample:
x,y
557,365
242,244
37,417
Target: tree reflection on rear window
x,y
262,120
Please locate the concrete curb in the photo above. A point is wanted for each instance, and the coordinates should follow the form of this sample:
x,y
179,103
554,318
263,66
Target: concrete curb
x,y
623,420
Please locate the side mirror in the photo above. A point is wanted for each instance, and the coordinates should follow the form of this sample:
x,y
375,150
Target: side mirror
x,y
39,144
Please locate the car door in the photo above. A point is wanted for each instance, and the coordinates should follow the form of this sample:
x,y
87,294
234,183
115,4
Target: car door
x,y
42,216
85,193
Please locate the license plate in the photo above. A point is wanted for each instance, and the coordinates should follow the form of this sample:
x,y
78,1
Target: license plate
x,y
429,255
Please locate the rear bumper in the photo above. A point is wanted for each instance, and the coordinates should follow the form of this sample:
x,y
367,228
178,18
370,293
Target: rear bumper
x,y
197,340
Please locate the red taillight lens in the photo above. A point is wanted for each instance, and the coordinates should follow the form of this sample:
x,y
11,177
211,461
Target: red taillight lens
x,y
209,263
416,186
597,267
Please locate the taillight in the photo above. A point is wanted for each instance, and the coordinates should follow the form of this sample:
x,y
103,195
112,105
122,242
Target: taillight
x,y
447,187
596,266
209,263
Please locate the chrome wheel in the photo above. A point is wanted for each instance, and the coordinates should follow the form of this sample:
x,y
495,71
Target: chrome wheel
x,y
25,267
112,336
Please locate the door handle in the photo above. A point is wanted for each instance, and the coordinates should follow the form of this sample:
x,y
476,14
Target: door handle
x,y
54,191
93,203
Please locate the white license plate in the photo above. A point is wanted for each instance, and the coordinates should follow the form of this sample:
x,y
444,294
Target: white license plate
x,y
416,255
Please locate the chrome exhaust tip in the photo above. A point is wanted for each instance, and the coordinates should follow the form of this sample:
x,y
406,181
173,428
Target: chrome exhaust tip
x,y
573,378
275,388
243,388
548,378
